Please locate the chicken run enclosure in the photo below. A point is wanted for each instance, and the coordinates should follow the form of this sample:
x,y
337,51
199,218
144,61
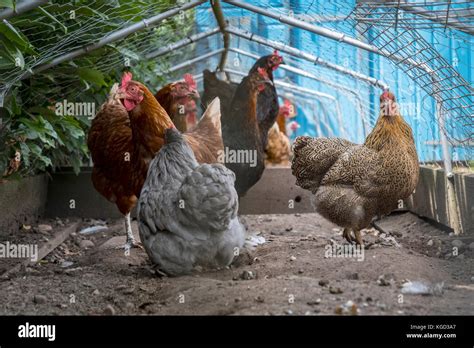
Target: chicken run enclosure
x,y
339,69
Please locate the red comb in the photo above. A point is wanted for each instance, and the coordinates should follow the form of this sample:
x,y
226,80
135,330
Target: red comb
x,y
385,94
287,103
126,78
275,53
188,78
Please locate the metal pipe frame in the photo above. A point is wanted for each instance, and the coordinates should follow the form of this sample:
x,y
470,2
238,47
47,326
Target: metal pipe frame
x,y
181,43
21,7
219,15
190,62
116,35
328,33
331,34
306,56
451,22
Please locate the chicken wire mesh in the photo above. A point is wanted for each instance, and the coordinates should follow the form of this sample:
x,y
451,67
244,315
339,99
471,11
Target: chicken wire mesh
x,y
80,25
346,104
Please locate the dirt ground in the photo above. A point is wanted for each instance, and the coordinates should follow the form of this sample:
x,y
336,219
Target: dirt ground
x,y
291,274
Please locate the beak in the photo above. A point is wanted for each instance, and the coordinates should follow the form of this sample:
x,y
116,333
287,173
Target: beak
x,y
194,94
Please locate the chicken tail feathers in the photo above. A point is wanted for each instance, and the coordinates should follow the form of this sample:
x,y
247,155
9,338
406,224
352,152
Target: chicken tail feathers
x,y
212,117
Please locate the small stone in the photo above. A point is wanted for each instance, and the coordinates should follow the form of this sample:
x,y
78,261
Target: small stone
x,y
297,214
430,242
86,244
383,281
292,258
247,275
369,299
129,291
457,243
339,310
129,305
289,312
259,299
109,310
237,299
335,290
43,228
288,229
96,292
39,299
66,264
315,302
300,271
323,282
471,246
472,279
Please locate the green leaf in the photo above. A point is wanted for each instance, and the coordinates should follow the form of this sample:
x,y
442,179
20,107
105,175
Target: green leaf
x,y
91,75
49,15
25,153
7,3
16,109
42,111
13,35
14,53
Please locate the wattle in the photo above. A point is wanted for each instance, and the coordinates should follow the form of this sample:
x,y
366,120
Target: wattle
x,y
129,104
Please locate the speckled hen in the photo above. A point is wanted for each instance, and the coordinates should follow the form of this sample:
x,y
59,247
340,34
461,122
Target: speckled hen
x,y
354,183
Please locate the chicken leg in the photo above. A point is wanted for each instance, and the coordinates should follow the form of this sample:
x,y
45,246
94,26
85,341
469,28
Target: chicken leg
x,y
348,235
131,242
358,238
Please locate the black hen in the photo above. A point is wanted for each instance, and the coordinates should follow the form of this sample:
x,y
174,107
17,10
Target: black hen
x,y
244,153
240,129
267,103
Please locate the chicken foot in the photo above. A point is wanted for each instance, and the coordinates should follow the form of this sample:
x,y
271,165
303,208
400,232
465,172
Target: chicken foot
x,y
353,237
